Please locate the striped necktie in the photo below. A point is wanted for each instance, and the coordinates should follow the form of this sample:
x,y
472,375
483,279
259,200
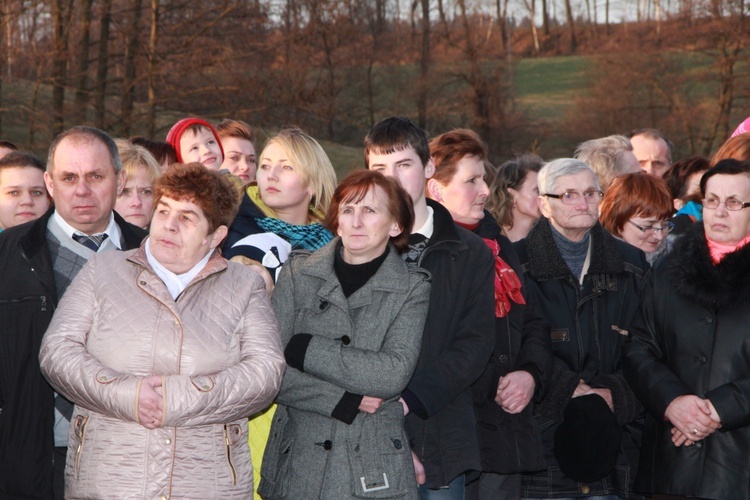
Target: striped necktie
x,y
91,242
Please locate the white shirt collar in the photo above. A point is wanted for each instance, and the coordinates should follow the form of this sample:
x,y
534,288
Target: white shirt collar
x,y
429,225
114,236
175,283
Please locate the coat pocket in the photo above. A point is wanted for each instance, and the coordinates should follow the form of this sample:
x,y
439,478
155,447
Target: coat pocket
x,y
380,460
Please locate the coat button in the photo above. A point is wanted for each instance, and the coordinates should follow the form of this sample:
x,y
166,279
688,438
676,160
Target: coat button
x,y
397,444
703,359
346,340
503,358
699,445
585,489
323,305
143,283
327,444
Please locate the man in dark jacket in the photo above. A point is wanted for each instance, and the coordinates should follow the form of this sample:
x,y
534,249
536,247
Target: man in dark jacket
x,y
586,285
459,333
38,260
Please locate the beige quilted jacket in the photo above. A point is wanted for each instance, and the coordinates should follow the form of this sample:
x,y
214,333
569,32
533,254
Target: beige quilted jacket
x,y
217,348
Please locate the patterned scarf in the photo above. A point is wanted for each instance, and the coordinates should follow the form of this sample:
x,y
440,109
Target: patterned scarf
x,y
310,237
507,284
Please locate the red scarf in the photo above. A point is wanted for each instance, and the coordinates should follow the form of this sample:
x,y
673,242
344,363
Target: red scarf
x,y
507,284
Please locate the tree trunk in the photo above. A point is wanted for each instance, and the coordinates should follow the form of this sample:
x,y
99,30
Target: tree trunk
x,y
61,11
571,26
477,79
82,91
545,18
152,42
531,5
100,87
129,76
424,66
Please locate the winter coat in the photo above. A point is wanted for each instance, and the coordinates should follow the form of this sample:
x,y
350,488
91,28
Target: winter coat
x,y
28,298
511,443
691,338
589,323
459,337
321,446
217,350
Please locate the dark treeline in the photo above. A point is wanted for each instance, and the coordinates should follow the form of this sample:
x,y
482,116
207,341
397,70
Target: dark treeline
x,y
336,67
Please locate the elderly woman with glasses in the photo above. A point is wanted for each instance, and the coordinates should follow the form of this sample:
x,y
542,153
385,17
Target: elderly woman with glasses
x,y
637,208
585,283
687,358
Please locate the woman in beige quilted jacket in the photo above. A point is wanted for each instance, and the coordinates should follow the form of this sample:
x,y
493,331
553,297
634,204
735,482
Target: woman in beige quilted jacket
x,y
165,350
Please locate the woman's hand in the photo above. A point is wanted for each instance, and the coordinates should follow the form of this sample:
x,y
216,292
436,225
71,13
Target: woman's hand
x,y
514,391
370,404
691,416
150,403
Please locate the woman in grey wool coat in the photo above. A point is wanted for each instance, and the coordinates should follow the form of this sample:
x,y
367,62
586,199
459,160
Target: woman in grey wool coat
x,y
351,316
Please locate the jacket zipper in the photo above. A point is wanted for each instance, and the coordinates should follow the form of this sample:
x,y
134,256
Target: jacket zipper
x,y
79,449
229,456
43,299
33,270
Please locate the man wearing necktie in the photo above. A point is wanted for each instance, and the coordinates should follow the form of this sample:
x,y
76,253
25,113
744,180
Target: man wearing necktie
x,y
38,260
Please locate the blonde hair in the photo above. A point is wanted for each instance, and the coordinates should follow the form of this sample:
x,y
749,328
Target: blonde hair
x,y
134,157
314,167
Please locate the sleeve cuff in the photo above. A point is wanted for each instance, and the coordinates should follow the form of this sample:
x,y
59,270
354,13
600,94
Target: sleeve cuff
x,y
538,385
414,404
296,350
347,408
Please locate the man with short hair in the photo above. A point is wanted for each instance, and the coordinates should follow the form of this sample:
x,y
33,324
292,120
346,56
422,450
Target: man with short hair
x,y
609,157
6,148
653,150
38,260
458,337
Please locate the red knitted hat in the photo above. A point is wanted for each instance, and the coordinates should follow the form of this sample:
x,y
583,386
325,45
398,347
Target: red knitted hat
x,y
175,134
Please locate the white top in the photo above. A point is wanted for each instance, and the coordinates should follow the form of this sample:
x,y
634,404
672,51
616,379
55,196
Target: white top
x,y
176,283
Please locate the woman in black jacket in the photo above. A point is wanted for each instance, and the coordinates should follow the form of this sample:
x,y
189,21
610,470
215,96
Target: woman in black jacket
x,y
520,367
688,354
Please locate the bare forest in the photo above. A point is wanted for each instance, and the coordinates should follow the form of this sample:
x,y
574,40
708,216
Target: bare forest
x,y
335,67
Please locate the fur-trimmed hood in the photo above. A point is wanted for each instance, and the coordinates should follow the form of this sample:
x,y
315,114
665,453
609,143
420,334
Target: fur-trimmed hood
x,y
693,273
546,262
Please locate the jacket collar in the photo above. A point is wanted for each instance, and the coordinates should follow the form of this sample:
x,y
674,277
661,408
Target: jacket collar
x,y
694,275
216,263
546,263
445,229
389,278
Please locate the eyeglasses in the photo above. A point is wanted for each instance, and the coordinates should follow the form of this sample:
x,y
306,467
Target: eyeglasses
x,y
571,197
730,204
652,229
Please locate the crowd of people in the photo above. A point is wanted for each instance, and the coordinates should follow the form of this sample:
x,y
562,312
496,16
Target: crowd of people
x,y
187,319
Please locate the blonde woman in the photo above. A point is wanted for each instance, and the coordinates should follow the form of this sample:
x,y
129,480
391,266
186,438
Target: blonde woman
x,y
280,212
135,203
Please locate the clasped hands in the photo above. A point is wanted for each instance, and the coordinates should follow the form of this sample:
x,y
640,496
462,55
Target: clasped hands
x,y
693,419
150,402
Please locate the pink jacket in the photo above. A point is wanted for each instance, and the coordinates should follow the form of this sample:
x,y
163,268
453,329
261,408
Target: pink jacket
x,y
217,348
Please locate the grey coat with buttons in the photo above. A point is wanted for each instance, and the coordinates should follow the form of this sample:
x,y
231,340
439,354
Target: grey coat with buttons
x,y
321,446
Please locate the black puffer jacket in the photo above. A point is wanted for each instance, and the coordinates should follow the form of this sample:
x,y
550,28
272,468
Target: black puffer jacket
x,y
589,323
27,301
457,342
512,443
691,337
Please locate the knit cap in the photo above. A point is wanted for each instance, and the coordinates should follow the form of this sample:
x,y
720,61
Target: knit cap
x,y
175,134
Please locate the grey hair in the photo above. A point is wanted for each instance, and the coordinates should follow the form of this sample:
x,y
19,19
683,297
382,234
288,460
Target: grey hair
x,y
562,167
86,134
605,156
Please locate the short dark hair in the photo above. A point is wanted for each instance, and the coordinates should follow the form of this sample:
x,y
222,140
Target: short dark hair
x,y
162,151
653,134
728,166
678,175
355,186
19,159
8,145
396,134
449,148
213,192
84,133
